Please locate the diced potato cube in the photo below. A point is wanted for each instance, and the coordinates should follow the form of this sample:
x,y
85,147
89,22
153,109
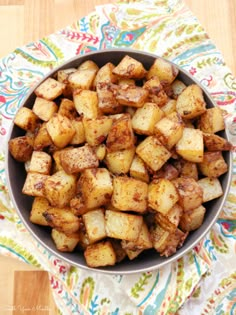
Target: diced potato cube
x,y
101,151
75,160
190,193
153,153
130,95
129,194
190,146
44,109
60,188
168,171
213,164
96,187
88,65
169,107
81,79
190,103
193,219
138,169
96,129
130,68
50,89
143,241
42,138
77,205
67,108
100,254
79,136
164,70
119,162
57,160
26,119
174,242
60,130
145,118
86,103
65,242
214,142
39,206
34,184
162,195
133,253
177,88
121,135
171,219
212,120
62,219
105,75
187,169
156,91
62,76
120,253
160,237
169,130
122,225
107,101
94,221
40,162
21,148
211,188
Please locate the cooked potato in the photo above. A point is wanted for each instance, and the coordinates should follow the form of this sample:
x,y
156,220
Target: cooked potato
x,y
190,146
193,219
86,103
143,241
170,220
39,206
50,89
211,187
65,242
174,241
129,95
94,221
159,237
96,129
138,169
74,160
169,107
190,193
21,148
107,102
100,254
119,162
101,151
67,108
44,109
42,138
216,143
81,79
40,162
213,164
60,130
212,120
162,195
105,75
177,88
130,68
156,91
26,119
187,169
79,136
153,153
122,225
96,187
62,76
190,103
129,194
59,188
34,184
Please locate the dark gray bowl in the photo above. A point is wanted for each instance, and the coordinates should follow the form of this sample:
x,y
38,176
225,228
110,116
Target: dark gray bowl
x,y
149,260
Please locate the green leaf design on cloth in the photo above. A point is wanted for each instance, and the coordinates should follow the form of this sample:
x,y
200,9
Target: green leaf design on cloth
x,y
87,291
139,286
218,242
72,276
209,62
18,250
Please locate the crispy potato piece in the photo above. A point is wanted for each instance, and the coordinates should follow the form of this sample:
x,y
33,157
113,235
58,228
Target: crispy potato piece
x,y
42,138
62,76
122,225
40,162
156,92
81,79
105,75
107,102
26,119
60,130
143,241
75,160
86,103
129,194
193,219
130,95
88,65
62,219
96,129
34,184
101,151
164,70
65,242
190,193
162,195
211,187
96,187
133,253
50,89
186,168
174,242
138,169
44,109
177,88
39,206
57,160
67,108
59,188
145,118
159,237
171,219
169,107
79,136
120,253
216,143
21,148
94,221
212,120
168,171
190,103
130,68
153,153
213,164
77,205
119,162
100,255
190,146
121,135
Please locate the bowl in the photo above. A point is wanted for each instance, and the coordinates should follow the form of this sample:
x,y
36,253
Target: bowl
x,y
149,260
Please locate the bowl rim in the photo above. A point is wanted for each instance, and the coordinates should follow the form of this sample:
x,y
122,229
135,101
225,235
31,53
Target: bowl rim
x,y
103,270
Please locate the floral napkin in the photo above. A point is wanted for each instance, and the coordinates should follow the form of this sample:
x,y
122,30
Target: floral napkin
x,y
204,280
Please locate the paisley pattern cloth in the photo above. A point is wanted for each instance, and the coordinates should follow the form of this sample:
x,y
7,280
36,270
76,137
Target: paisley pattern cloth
x,y
204,280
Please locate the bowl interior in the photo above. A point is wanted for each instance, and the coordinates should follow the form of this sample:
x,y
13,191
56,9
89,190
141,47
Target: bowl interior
x,y
149,260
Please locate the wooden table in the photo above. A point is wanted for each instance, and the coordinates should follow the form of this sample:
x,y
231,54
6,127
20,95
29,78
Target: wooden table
x,y
24,21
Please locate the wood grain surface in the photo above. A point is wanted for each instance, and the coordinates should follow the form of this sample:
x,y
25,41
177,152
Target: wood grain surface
x,y
22,287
